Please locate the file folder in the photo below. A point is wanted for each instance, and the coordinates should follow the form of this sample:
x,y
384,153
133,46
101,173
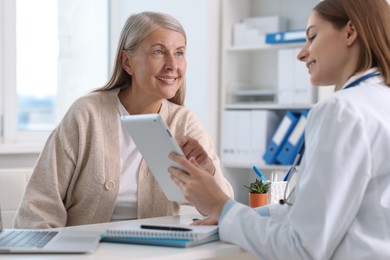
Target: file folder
x,y
290,148
286,76
243,125
280,137
246,135
229,119
264,125
286,37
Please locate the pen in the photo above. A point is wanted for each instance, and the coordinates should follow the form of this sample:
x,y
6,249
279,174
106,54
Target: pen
x,y
258,172
165,228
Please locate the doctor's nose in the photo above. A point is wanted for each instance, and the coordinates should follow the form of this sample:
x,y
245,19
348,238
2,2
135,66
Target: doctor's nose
x,y
302,55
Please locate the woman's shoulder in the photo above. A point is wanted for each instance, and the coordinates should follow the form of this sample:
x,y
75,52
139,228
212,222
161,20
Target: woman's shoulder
x,y
102,103
174,106
174,112
169,108
97,97
93,102
181,120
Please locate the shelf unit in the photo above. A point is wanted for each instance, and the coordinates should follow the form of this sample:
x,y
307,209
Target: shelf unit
x,y
255,67
269,47
249,71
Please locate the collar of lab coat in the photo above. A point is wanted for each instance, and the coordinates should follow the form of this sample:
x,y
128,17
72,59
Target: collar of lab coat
x,y
374,79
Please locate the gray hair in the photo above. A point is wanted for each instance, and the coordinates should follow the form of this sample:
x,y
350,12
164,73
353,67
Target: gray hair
x,y
135,30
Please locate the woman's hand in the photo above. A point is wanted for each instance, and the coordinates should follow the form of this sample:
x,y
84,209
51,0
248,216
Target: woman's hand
x,y
192,148
198,186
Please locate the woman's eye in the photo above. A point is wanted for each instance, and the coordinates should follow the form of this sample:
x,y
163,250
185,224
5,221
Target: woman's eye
x,y
158,52
179,53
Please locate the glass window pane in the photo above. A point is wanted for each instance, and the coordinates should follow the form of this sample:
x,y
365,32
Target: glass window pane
x,y
62,53
37,55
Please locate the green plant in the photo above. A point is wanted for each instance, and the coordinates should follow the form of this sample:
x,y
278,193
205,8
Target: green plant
x,y
258,187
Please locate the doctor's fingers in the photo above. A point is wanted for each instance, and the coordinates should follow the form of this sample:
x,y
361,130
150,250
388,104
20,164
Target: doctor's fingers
x,y
191,166
178,175
205,221
178,181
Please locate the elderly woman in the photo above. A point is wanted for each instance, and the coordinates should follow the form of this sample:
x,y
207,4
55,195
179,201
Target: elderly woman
x,y
90,170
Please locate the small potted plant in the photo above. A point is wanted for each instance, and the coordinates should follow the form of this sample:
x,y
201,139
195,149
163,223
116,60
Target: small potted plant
x,y
258,193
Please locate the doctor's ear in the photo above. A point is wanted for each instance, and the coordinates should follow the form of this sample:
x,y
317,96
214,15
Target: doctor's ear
x,y
351,32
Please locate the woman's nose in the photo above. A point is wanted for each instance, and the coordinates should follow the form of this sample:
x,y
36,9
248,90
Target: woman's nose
x,y
170,62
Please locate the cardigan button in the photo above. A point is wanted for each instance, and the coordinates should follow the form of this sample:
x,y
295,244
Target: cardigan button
x,y
109,185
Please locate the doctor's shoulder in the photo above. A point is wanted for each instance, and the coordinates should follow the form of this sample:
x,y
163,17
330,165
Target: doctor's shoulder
x,y
331,109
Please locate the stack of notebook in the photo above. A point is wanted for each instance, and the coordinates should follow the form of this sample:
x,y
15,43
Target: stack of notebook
x,y
161,234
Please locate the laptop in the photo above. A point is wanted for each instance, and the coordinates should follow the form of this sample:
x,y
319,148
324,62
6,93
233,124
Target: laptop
x,y
46,241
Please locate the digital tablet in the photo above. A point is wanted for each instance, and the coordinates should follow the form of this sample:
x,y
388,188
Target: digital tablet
x,y
155,142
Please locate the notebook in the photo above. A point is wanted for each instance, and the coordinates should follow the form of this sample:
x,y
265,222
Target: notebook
x,y
46,241
161,234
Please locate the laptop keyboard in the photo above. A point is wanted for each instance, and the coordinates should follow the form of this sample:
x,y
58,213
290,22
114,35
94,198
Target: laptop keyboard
x,y
25,238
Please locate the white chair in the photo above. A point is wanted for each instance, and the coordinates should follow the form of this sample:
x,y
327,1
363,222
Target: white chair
x,y
12,185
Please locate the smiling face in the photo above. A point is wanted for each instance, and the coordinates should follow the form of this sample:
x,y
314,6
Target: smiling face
x,y
329,53
158,65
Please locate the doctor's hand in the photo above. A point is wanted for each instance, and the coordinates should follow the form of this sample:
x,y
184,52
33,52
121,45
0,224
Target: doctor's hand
x,y
205,221
192,148
198,186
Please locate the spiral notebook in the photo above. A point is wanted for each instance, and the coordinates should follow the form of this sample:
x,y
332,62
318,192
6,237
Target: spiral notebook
x,y
161,234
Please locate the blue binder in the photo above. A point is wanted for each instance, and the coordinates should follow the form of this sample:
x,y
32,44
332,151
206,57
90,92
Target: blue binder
x,y
284,129
290,148
286,37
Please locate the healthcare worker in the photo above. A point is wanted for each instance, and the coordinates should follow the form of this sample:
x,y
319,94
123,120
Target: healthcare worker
x,y
340,208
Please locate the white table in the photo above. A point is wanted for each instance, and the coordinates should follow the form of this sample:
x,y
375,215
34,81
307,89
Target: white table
x,y
115,251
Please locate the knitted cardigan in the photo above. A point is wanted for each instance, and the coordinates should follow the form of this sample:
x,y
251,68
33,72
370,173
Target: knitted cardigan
x,y
76,178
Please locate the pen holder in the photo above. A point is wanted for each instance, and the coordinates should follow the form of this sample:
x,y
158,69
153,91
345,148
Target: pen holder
x,y
277,191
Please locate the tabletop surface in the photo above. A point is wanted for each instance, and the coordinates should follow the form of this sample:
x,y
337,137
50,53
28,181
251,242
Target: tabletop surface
x,y
129,251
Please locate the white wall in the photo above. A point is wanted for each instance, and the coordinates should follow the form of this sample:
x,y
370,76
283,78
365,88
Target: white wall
x,y
200,19
77,19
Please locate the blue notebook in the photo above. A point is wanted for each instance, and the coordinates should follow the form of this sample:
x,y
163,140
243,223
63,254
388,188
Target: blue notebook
x,y
168,235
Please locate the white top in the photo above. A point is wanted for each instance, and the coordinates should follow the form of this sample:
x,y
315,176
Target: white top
x,y
126,203
342,199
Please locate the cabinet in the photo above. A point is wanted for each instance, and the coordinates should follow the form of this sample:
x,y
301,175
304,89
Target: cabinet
x,y
251,77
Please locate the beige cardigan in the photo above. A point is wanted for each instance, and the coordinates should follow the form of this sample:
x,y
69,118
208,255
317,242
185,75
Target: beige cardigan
x,y
76,178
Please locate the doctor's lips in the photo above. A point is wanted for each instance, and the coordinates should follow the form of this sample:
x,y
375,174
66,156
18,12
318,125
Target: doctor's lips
x,y
309,64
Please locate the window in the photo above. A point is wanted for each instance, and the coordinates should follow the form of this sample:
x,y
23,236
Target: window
x,y
51,52
36,64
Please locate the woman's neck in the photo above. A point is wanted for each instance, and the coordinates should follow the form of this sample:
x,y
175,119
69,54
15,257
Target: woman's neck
x,y
138,105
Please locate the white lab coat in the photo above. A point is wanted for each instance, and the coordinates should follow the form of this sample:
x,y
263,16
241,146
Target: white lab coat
x,y
341,207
